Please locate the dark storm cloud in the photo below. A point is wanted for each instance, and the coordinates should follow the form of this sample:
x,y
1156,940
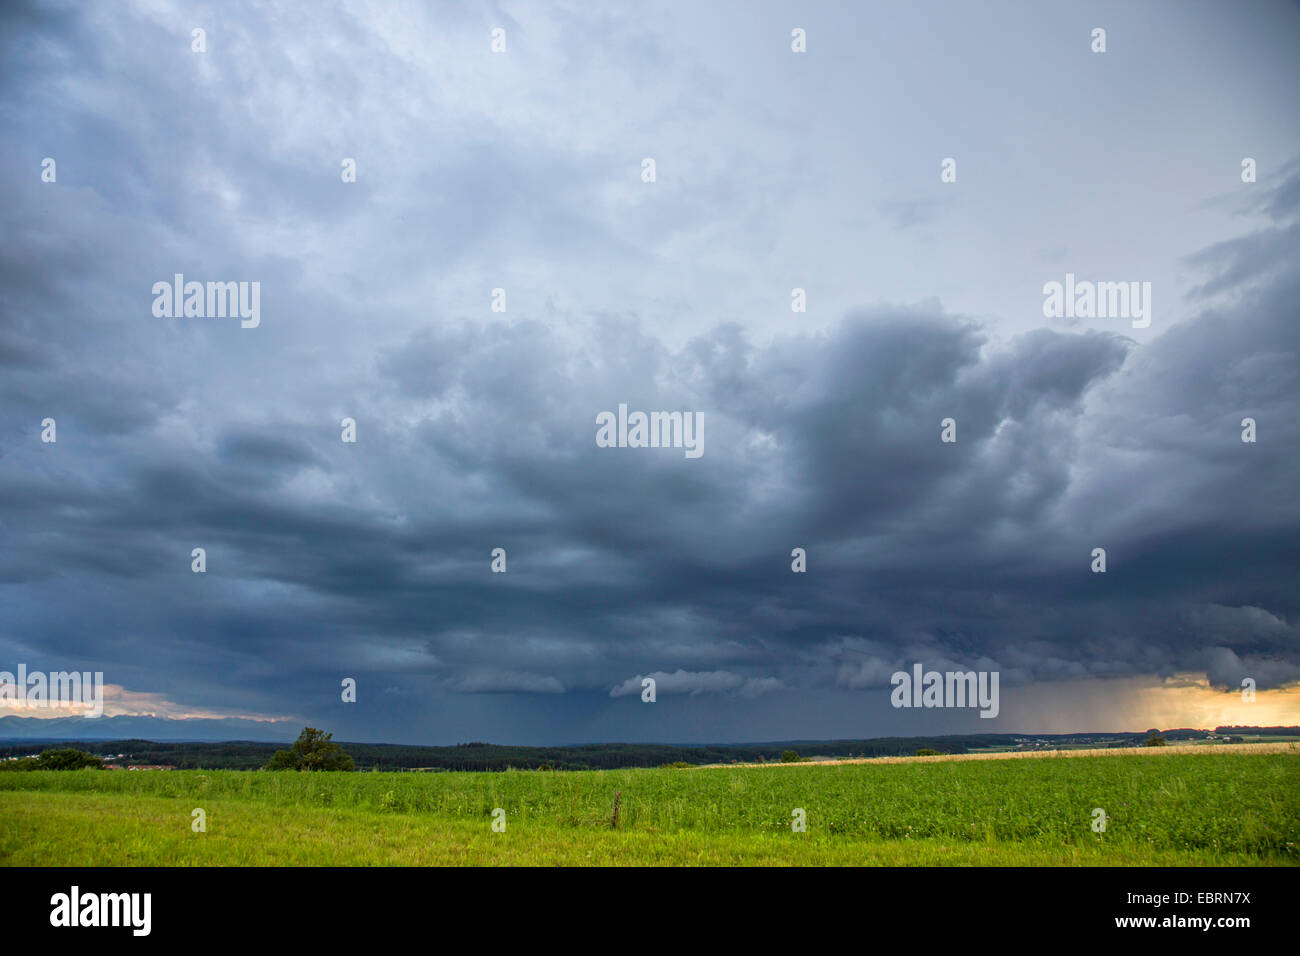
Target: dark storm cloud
x,y
918,549
327,559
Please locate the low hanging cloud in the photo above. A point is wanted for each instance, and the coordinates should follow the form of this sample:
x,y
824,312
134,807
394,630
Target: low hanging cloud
x,y
507,682
695,683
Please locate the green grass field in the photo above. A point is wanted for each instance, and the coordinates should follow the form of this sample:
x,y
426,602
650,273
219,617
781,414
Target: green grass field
x,y
1175,809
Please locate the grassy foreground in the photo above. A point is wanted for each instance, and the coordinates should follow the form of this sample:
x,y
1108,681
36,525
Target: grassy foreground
x,y
1218,808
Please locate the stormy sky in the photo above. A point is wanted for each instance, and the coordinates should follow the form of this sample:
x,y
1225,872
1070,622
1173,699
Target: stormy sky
x,y
522,170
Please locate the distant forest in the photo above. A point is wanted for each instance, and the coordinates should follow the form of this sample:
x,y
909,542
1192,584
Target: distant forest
x,y
246,755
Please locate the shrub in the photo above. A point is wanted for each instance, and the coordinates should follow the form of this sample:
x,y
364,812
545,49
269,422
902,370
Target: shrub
x,y
56,760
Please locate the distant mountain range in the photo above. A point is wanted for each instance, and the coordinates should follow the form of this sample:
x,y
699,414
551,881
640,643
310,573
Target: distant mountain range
x,y
19,730
146,728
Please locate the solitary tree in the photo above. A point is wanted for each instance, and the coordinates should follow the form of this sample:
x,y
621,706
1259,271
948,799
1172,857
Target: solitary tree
x,y
313,750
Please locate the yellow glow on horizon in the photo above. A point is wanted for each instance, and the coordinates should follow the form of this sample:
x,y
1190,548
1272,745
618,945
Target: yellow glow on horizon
x,y
1189,701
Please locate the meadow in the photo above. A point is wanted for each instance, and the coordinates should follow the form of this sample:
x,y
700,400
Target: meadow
x,y
1212,807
